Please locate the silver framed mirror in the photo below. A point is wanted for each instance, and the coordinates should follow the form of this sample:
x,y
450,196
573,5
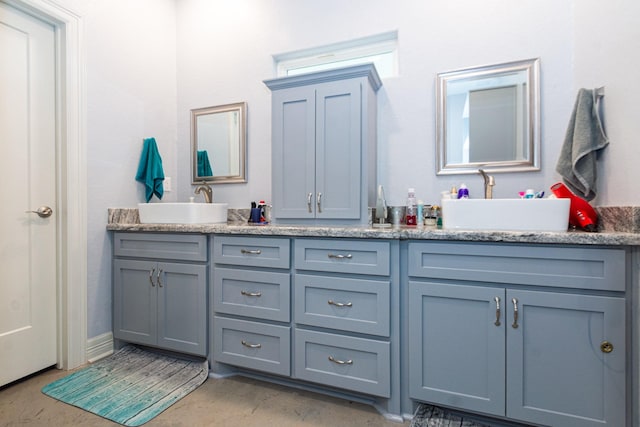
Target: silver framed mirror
x,y
488,118
219,144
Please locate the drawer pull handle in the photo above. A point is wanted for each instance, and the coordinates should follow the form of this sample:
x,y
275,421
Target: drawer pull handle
x,y
319,202
497,322
340,256
250,251
340,362
340,304
246,344
309,202
515,313
251,294
151,276
160,271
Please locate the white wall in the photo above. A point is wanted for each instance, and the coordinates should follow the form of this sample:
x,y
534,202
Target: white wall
x,y
225,48
131,95
223,56
607,46
150,61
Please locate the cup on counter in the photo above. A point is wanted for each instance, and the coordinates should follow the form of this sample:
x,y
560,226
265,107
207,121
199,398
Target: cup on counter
x,y
255,215
396,215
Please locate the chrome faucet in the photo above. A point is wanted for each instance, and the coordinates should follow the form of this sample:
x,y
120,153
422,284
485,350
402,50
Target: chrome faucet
x,y
489,182
208,192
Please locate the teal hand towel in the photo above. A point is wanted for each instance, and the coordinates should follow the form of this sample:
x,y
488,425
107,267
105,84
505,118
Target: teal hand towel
x,y
204,167
584,138
150,171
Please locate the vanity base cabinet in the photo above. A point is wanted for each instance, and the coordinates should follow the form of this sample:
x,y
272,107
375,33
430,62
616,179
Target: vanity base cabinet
x,y
251,303
320,315
156,302
543,355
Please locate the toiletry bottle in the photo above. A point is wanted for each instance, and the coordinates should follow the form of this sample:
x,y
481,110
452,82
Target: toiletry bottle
x,y
420,214
411,219
463,192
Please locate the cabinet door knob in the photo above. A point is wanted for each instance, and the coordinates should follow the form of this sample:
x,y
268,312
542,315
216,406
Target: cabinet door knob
x,y
606,347
514,325
319,202
160,271
309,202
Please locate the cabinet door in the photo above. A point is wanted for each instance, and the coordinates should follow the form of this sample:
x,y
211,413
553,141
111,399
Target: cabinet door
x,y
182,310
456,346
338,149
293,153
557,373
134,301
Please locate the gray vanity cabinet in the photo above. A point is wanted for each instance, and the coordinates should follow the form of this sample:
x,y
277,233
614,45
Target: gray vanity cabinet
x,y
536,334
324,145
343,287
158,302
251,303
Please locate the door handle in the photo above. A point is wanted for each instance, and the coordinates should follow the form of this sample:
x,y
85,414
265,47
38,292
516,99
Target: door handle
x,y
42,211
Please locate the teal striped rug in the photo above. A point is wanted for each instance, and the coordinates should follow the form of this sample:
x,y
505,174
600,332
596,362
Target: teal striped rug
x,y
130,387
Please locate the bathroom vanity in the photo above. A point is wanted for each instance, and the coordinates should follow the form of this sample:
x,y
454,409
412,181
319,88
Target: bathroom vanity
x,y
160,284
535,328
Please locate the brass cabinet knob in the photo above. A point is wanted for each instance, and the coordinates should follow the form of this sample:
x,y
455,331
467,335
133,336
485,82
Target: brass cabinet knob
x,y
606,347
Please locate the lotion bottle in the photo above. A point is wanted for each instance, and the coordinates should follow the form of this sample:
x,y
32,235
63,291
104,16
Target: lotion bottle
x,y
411,217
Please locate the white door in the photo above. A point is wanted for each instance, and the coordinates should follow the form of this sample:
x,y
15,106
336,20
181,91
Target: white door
x,y
28,176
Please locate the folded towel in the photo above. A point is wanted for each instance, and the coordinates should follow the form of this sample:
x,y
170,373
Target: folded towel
x,y
584,138
204,167
150,169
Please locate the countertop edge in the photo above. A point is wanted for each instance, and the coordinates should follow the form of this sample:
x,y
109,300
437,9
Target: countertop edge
x,y
403,233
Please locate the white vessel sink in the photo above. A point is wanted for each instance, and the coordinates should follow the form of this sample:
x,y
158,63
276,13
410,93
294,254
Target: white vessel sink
x,y
183,213
506,214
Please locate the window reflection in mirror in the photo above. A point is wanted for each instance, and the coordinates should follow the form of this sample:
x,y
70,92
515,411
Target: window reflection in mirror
x,y
218,144
488,117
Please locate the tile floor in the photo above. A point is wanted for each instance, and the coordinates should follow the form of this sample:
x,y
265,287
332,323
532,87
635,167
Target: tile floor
x,y
234,401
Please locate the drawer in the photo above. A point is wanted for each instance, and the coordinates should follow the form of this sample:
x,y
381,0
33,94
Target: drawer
x,y
569,267
183,247
356,364
258,294
251,251
343,256
252,345
356,305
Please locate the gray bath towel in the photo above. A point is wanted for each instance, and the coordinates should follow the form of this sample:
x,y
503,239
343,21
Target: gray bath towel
x,y
584,138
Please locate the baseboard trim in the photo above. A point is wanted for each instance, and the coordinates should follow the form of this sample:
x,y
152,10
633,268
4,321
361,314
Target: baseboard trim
x,y
99,347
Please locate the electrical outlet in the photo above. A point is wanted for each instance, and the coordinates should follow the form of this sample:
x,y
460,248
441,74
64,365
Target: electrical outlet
x,y
167,183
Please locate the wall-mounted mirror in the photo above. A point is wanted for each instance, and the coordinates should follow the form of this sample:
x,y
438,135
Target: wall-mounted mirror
x,y
219,144
489,118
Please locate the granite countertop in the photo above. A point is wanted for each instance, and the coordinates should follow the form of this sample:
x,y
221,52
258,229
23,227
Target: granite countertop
x,y
127,220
